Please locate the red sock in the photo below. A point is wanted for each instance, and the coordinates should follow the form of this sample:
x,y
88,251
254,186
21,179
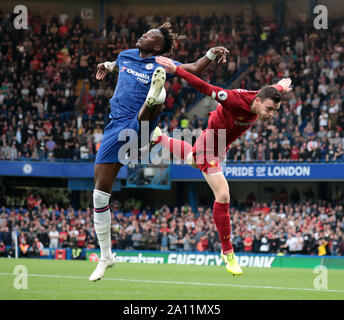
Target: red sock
x,y
179,148
223,225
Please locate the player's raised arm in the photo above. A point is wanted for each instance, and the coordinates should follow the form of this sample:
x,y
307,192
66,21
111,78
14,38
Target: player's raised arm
x,y
212,91
103,69
284,85
201,64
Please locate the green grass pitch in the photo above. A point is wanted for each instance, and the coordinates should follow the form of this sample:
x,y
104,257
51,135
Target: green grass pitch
x,y
68,280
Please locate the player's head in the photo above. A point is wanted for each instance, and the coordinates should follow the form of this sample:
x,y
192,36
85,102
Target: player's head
x,y
158,41
267,102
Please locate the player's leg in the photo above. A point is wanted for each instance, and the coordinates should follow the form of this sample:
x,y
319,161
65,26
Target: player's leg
x,y
104,176
179,148
155,97
148,113
219,185
220,188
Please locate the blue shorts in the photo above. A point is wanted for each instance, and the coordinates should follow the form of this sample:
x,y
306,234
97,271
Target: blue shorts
x,y
110,145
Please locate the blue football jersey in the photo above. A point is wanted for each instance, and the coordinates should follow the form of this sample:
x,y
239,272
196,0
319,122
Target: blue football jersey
x,y
134,79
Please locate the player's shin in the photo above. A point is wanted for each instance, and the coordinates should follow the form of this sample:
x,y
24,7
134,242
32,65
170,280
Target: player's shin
x,y
223,225
102,222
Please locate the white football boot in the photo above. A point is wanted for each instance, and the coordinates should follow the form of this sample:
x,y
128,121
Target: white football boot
x,y
102,265
156,134
157,93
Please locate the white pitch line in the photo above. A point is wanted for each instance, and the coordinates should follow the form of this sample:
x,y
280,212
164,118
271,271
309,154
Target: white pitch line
x,y
178,282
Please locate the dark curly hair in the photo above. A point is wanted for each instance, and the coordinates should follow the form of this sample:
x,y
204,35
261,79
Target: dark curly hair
x,y
169,36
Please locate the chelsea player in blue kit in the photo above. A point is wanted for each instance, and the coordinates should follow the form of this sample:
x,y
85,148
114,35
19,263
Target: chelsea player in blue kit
x,y
138,97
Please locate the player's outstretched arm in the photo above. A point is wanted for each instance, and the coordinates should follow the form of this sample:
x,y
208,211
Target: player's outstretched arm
x,y
199,84
201,64
103,69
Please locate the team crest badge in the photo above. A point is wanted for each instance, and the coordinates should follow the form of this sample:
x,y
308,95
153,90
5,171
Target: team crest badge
x,y
149,66
222,95
213,164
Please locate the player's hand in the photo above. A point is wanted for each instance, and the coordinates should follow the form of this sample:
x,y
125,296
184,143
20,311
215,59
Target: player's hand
x,y
285,83
167,63
220,51
101,71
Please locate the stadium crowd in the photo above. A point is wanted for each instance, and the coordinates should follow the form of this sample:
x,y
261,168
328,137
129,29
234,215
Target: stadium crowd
x,y
310,125
53,108
283,226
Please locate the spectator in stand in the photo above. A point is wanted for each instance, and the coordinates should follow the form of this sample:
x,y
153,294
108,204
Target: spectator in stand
x,y
54,238
189,242
136,239
24,248
73,235
35,251
3,250
164,241
64,238
172,240
153,240
248,243
341,248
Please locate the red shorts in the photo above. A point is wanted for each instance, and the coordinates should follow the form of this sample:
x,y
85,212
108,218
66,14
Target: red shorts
x,y
206,152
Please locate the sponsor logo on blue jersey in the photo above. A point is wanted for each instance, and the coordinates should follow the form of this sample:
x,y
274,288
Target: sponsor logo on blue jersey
x,y
140,76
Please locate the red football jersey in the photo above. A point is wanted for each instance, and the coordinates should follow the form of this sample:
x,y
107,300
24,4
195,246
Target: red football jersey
x,y
233,113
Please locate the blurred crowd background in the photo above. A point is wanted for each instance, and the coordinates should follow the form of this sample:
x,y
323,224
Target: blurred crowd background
x,y
283,226
53,108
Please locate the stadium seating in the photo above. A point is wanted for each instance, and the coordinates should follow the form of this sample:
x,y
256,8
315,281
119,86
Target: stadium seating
x,y
54,109
282,226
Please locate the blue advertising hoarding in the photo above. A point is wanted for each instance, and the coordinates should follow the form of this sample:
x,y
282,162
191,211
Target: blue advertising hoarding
x,y
52,169
268,172
239,172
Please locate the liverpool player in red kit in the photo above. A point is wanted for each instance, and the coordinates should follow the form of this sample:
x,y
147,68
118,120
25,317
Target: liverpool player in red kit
x,y
236,112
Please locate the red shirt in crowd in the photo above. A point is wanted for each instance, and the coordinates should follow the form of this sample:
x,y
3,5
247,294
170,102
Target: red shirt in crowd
x,y
294,153
248,242
31,201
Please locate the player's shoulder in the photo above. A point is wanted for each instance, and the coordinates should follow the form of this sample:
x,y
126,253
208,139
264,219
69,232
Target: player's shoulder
x,y
177,63
128,53
243,93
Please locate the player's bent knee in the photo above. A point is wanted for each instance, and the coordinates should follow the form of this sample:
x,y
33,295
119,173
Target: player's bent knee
x,y
222,197
100,198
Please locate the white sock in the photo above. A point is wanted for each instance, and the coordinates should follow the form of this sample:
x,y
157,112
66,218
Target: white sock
x,y
102,222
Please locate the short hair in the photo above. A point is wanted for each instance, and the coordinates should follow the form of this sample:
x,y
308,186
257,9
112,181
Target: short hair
x,y
270,92
169,36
